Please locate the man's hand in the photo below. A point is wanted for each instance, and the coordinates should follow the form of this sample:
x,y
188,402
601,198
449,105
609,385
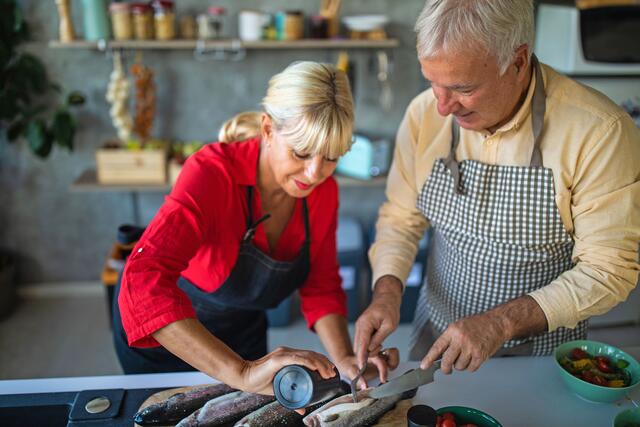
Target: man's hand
x,y
470,341
379,319
378,364
467,343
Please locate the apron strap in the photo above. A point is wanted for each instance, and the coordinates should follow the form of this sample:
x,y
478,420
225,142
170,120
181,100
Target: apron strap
x,y
538,108
450,162
251,226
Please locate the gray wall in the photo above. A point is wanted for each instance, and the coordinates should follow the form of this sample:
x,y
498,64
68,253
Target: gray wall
x,y
60,235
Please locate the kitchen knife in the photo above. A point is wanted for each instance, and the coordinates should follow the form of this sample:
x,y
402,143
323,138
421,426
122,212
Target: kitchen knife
x,y
412,379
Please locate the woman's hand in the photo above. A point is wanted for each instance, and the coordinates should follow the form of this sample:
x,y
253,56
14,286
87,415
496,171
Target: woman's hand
x,y
378,364
257,376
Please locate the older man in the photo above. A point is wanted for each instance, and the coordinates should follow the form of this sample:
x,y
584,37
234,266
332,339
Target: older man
x,y
530,182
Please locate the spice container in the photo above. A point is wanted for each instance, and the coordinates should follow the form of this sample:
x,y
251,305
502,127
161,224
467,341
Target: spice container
x,y
142,15
121,21
187,27
95,19
216,21
290,25
164,20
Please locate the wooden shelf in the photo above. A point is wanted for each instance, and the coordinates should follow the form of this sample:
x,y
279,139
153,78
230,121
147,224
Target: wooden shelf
x,y
88,182
233,44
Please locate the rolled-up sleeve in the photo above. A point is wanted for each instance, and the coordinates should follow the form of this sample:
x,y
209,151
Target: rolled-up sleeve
x,y
400,225
149,298
605,211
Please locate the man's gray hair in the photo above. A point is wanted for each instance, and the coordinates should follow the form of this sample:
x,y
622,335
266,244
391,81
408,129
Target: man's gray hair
x,y
499,26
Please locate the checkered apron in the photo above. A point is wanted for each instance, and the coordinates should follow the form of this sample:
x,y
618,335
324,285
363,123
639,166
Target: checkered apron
x,y
497,235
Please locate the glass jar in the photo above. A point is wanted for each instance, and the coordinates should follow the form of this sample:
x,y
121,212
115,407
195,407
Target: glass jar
x,y
142,15
164,20
187,27
216,21
121,21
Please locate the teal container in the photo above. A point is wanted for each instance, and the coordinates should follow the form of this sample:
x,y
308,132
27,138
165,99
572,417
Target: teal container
x,y
592,392
466,415
95,19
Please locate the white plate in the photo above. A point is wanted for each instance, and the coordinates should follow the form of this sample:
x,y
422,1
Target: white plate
x,y
365,22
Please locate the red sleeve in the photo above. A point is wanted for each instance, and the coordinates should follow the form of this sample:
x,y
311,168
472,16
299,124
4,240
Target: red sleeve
x,y
149,297
322,293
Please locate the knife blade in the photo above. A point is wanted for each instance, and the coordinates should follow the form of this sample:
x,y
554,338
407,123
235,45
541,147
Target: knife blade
x,y
412,379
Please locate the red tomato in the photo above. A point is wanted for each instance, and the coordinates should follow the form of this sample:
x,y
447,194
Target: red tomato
x,y
598,380
448,423
604,364
578,353
587,376
448,416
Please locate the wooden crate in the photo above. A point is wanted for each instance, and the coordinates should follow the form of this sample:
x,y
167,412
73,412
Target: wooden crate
x,y
120,166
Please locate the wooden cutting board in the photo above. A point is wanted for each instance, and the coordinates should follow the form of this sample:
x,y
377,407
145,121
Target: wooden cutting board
x,y
395,418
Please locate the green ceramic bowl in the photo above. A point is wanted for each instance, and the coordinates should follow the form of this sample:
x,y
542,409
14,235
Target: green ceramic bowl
x,y
628,418
590,391
469,415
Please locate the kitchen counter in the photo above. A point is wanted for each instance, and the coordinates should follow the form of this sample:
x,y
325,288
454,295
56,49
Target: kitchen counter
x,y
519,391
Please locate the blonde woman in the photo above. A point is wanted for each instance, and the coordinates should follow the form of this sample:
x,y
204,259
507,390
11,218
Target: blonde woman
x,y
246,225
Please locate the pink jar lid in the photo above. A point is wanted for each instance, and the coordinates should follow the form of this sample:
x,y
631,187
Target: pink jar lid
x,y
216,10
119,7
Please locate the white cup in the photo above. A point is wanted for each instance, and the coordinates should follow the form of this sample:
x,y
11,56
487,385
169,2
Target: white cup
x,y
250,23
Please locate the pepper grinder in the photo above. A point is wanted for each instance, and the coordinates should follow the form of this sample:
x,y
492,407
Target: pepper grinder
x,y
296,387
66,32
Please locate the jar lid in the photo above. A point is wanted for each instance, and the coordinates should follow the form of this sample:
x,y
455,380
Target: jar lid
x,y
119,7
141,8
216,10
421,416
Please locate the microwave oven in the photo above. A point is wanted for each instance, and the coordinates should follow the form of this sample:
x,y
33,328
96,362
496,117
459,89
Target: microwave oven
x,y
593,41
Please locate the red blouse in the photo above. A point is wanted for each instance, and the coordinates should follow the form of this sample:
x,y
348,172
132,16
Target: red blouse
x,y
197,234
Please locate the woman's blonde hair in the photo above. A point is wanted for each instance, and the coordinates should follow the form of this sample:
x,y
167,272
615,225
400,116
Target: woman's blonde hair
x,y
240,127
310,105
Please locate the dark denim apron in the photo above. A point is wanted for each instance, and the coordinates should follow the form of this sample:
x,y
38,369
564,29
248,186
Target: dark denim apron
x,y
235,312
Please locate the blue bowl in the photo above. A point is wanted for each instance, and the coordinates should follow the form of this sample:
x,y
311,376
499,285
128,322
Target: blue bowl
x,y
592,392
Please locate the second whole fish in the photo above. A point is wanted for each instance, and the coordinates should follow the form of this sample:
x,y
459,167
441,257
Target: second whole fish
x,y
226,409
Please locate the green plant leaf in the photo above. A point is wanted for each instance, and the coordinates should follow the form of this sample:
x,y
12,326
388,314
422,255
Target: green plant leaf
x,y
15,130
63,129
17,19
76,98
39,140
8,106
34,72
